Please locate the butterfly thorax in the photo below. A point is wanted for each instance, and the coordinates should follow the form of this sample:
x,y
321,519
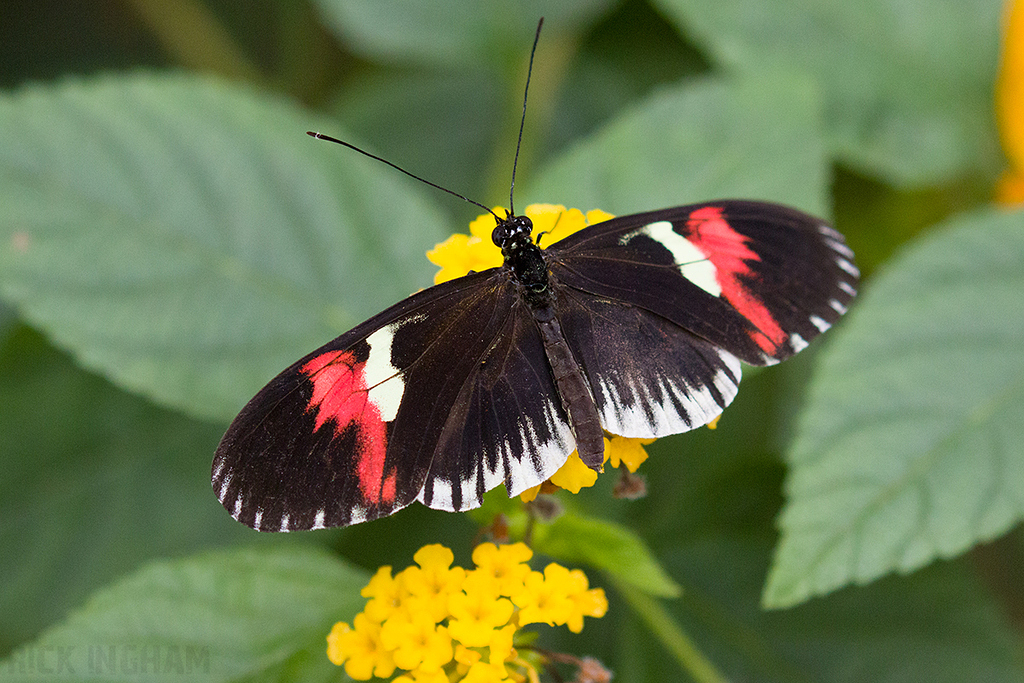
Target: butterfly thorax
x,y
524,259
526,262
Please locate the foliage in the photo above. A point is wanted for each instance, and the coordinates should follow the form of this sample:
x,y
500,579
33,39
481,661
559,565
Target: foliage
x,y
170,239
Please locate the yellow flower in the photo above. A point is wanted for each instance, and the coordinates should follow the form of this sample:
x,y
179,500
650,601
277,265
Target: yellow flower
x,y
574,475
480,611
502,567
559,596
460,254
359,648
629,452
421,676
586,602
1010,104
432,582
416,642
483,672
386,593
544,598
501,644
475,616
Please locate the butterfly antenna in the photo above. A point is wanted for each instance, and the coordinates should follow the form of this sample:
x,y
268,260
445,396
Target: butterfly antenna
x,y
321,136
522,121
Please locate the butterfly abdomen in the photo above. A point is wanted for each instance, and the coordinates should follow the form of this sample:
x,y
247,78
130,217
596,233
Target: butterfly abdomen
x,y
573,389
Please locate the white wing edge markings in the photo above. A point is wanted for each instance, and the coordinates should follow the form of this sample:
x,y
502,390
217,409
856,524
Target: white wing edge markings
x,y
520,478
696,400
693,264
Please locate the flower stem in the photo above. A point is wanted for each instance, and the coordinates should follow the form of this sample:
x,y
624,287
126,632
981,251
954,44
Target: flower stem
x,y
671,634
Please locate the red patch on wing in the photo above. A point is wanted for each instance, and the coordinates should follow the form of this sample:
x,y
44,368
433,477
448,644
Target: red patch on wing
x,y
340,394
727,250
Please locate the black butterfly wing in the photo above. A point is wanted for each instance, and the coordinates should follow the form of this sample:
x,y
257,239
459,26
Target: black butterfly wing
x,y
508,424
758,280
440,397
649,377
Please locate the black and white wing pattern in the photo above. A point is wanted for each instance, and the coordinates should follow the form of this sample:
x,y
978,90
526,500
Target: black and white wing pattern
x,y
636,325
349,432
660,307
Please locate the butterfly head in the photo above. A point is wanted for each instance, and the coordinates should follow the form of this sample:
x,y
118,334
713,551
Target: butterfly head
x,y
512,233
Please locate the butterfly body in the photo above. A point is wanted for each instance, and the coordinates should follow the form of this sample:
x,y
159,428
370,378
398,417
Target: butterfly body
x,y
635,326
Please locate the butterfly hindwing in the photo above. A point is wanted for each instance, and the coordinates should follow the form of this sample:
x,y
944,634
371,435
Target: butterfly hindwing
x,y
758,280
649,376
508,424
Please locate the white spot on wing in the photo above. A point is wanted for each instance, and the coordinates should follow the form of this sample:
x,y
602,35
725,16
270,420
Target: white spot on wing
x,y
820,323
848,267
284,523
799,343
224,487
238,507
840,248
220,468
358,515
318,523
442,495
829,231
385,382
847,287
692,262
837,307
258,520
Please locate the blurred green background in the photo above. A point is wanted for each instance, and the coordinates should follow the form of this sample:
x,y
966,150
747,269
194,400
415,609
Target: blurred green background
x,y
172,238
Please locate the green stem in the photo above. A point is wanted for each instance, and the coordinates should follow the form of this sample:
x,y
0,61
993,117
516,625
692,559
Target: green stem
x,y
671,634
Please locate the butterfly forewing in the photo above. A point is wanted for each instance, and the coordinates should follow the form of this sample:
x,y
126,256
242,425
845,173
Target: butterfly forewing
x,y
346,433
759,280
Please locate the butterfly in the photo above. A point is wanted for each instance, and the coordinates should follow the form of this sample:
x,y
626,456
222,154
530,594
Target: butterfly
x,y
636,326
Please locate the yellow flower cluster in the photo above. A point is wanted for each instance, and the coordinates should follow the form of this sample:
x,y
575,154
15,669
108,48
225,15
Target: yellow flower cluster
x,y
441,624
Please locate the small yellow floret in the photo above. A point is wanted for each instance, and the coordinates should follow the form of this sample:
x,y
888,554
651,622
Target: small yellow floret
x,y
622,450
359,648
574,474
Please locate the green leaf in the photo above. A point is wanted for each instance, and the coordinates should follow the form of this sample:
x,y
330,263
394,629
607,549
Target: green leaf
x,y
217,617
185,238
711,139
94,482
939,625
432,31
409,116
607,546
910,447
907,83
